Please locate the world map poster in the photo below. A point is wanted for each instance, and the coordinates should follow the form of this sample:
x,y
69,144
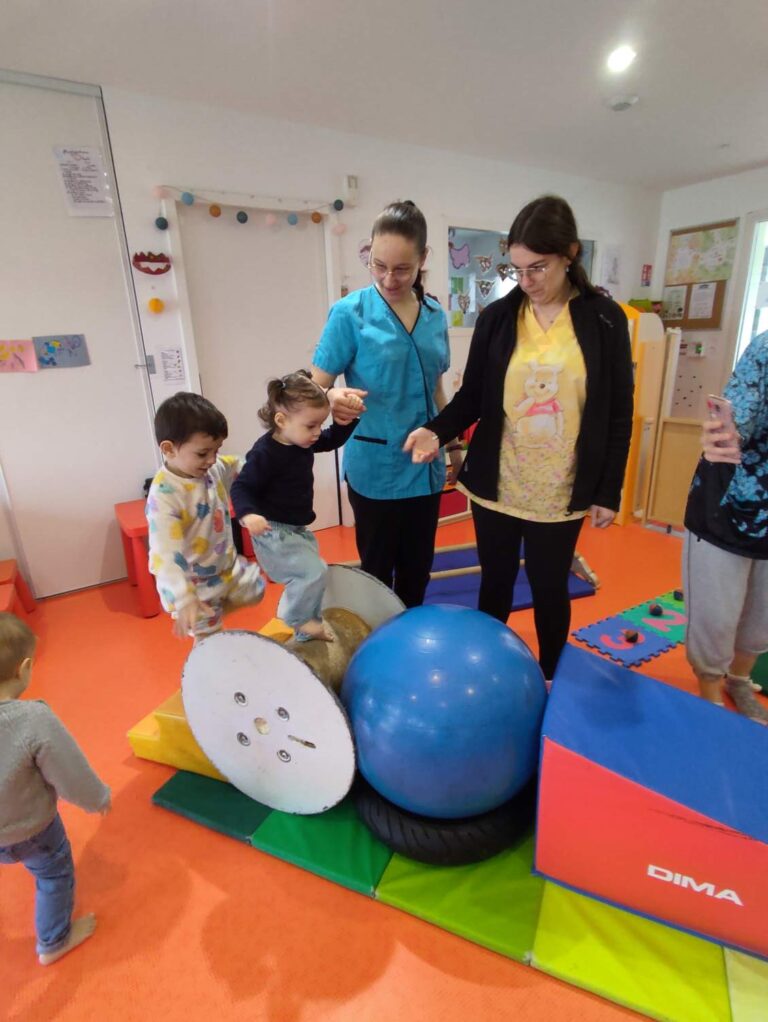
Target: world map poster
x,y
701,254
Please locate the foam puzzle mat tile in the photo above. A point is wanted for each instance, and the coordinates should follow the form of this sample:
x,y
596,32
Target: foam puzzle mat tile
x,y
608,637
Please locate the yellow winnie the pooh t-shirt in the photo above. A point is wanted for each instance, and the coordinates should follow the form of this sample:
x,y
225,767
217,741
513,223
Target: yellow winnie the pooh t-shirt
x,y
544,393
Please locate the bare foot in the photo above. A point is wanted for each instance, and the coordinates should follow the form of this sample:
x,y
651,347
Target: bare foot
x,y
316,629
81,930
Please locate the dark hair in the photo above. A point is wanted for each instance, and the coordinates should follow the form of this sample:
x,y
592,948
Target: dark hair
x,y
407,220
17,642
184,414
289,392
547,226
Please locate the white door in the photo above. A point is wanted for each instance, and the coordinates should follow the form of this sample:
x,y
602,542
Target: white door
x,y
754,315
73,441
258,296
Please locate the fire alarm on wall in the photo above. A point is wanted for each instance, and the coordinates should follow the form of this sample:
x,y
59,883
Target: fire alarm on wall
x,y
349,189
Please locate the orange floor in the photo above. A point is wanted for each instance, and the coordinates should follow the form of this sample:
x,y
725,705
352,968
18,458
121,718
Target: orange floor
x,y
193,925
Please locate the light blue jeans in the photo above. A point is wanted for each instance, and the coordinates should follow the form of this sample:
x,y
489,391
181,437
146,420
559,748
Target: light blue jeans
x,y
289,555
48,857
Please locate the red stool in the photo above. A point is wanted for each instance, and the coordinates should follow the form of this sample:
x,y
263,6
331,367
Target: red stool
x,y
11,576
134,531
10,601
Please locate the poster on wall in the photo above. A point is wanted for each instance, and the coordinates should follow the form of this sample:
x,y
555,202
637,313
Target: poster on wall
x,y
85,180
62,351
17,357
699,254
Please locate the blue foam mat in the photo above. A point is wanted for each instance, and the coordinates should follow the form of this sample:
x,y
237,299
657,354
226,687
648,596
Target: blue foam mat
x,y
664,739
462,589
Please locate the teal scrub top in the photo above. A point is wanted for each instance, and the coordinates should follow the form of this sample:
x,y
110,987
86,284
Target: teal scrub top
x,y
365,340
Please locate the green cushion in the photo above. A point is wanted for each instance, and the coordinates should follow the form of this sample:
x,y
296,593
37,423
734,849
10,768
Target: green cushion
x,y
493,903
215,804
335,845
642,964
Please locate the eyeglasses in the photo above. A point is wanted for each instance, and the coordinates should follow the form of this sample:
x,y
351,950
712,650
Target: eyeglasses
x,y
380,271
534,272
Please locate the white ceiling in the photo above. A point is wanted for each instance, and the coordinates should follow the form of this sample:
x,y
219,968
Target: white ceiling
x,y
512,80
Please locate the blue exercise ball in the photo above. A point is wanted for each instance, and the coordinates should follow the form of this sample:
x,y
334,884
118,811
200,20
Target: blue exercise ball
x,y
446,706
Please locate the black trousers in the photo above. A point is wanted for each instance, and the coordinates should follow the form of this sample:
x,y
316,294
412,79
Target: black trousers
x,y
396,541
549,550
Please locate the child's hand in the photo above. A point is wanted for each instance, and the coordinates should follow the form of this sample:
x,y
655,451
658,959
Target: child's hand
x,y
256,524
346,404
107,807
186,618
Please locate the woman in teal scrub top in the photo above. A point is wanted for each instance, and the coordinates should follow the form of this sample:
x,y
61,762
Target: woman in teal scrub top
x,y
390,340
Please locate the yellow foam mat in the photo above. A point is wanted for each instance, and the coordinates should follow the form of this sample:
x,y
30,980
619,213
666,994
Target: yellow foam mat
x,y
748,986
164,736
642,964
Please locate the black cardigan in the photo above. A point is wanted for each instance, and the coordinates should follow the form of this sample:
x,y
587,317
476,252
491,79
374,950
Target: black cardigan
x,y
606,424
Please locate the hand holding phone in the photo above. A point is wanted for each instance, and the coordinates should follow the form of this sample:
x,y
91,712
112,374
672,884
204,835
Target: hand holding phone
x,y
720,438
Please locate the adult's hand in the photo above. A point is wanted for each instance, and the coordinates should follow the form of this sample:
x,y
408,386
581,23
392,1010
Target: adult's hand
x,y
346,404
423,446
719,444
601,516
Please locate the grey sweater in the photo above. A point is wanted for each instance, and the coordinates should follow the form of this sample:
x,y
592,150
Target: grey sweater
x,y
39,762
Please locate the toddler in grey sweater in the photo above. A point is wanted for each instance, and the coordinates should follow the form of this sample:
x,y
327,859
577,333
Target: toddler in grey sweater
x,y
40,762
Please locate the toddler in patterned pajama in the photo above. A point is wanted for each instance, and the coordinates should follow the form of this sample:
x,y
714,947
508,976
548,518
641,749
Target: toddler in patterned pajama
x,y
191,548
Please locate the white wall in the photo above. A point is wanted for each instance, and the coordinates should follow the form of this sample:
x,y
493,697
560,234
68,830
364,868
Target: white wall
x,y
205,150
725,198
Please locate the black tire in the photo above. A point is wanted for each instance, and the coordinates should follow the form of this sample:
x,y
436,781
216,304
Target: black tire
x,y
441,842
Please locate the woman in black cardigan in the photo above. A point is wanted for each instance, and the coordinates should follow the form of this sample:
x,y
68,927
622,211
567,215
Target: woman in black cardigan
x,y
549,383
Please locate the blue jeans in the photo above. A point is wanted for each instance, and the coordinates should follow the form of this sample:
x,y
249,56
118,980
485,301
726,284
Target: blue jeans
x,y
48,857
289,555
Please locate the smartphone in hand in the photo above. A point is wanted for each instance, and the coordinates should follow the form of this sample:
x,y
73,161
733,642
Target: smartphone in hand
x,y
721,408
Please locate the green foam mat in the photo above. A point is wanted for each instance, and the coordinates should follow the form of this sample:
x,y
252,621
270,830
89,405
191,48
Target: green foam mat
x,y
494,903
335,845
641,964
748,985
215,804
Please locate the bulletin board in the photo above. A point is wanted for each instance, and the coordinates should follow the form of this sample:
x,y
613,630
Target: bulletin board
x,y
699,265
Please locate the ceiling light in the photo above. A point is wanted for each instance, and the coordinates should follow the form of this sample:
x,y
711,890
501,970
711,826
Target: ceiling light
x,y
620,59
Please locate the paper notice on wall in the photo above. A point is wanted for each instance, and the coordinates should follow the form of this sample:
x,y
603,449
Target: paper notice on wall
x,y
673,303
17,357
172,365
702,301
85,181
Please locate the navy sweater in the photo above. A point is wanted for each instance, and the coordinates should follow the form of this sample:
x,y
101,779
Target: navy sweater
x,y
277,479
